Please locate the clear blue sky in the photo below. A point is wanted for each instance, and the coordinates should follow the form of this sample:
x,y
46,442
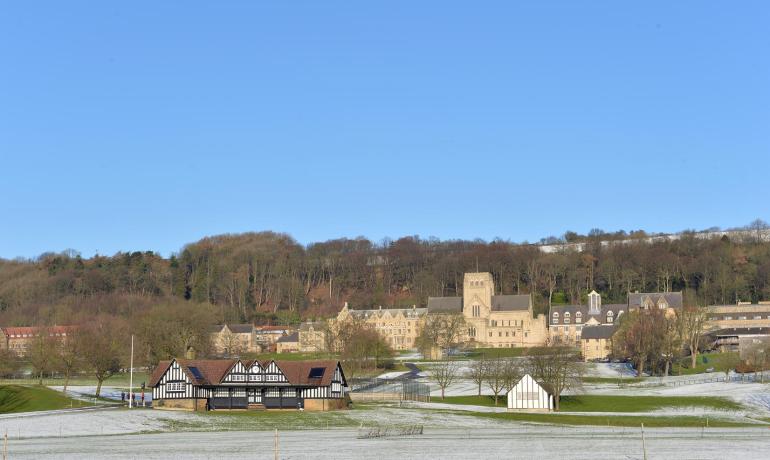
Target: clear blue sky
x,y
147,125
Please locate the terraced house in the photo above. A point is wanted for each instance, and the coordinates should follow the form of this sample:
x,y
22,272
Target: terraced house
x,y
251,384
399,326
567,322
19,339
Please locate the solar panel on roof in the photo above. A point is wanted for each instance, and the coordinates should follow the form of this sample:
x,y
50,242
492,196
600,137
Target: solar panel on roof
x,y
316,372
196,372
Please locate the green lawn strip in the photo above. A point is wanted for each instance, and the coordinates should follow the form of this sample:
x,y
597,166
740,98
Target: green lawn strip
x,y
614,380
16,398
495,352
264,420
614,420
611,403
718,361
118,380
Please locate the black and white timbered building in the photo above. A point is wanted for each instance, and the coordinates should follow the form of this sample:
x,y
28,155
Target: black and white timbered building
x,y
237,384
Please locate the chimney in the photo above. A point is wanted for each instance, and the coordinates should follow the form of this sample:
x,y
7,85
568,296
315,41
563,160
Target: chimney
x,y
190,353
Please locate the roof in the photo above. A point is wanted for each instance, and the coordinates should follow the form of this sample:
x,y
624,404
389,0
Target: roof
x,y
616,309
380,312
730,331
736,309
212,371
316,325
275,329
35,330
511,302
293,337
673,299
298,372
241,328
597,332
445,304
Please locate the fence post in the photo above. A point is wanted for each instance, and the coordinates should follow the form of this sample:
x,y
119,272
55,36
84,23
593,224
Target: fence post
x,y
275,445
644,448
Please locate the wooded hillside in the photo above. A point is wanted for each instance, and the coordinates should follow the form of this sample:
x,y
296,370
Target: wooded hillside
x,y
270,277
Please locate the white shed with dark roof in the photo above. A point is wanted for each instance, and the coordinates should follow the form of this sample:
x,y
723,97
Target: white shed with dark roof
x,y
529,396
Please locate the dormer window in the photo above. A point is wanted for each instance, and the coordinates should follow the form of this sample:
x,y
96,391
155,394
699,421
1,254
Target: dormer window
x,y
610,316
662,304
555,318
578,317
566,318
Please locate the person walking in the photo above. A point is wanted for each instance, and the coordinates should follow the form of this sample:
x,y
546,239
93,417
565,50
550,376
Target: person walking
x,y
123,397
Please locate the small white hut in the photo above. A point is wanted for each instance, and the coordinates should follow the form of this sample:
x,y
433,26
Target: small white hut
x,y
528,395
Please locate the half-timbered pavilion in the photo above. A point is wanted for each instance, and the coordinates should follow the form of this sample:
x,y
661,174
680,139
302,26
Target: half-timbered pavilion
x,y
238,384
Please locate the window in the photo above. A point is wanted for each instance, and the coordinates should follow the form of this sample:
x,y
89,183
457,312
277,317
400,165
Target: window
x,y
316,372
476,311
238,378
758,317
175,387
741,317
255,378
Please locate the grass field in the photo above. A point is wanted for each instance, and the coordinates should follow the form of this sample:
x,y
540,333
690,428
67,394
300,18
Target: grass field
x,y
650,421
623,380
718,361
118,380
611,403
496,352
16,398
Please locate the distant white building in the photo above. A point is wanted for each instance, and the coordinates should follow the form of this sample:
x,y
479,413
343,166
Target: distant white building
x,y
528,395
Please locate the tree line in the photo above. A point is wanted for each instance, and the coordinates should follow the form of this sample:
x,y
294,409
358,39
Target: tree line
x,y
269,277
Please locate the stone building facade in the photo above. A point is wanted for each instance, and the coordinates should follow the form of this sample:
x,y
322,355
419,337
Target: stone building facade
x,y
566,322
399,326
495,321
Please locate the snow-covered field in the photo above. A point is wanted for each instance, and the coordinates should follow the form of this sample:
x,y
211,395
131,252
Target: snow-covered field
x,y
521,441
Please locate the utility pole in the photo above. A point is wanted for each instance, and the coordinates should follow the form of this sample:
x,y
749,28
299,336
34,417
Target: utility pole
x,y
131,376
5,445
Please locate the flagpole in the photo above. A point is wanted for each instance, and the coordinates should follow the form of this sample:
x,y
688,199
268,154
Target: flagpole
x,y
131,376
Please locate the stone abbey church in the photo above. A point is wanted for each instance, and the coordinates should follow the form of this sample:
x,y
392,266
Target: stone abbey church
x,y
495,321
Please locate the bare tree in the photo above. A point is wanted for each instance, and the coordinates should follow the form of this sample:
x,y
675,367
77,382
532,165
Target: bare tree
x,y
693,325
103,346
512,373
441,330
477,372
495,376
41,353
68,356
444,374
557,368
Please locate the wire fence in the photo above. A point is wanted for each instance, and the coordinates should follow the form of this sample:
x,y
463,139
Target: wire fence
x,y
377,389
753,377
